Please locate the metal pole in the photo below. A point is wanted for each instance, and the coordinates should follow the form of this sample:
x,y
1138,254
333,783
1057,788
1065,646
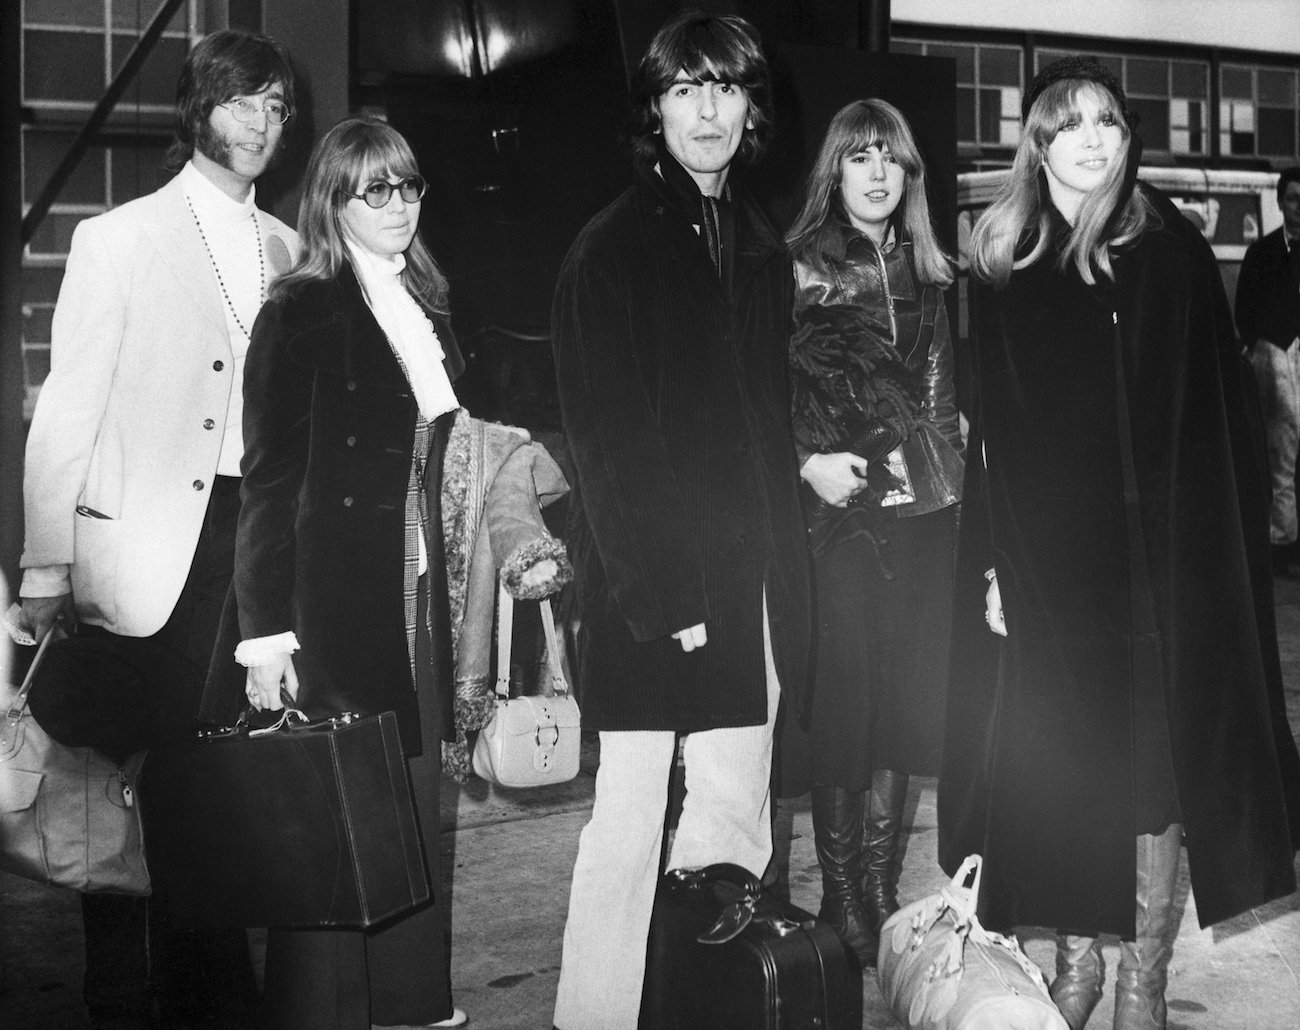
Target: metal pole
x,y
873,26
144,45
12,387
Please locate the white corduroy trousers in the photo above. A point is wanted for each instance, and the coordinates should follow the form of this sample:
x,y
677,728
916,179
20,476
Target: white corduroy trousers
x,y
726,817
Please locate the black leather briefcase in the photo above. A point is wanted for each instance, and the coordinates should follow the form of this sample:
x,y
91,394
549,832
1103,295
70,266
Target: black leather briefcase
x,y
724,956
304,825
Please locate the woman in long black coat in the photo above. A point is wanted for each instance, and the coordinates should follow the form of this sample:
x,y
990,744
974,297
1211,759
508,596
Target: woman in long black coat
x,y
1120,694
339,573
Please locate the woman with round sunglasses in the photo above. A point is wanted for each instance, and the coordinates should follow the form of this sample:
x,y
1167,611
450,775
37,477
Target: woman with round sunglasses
x,y
1108,700
340,581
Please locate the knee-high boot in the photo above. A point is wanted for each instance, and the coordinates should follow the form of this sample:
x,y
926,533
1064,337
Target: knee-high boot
x,y
1144,963
1080,974
837,831
884,826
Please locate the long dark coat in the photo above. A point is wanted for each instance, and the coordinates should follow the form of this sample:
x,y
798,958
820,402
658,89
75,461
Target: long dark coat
x,y
329,423
676,411
1040,768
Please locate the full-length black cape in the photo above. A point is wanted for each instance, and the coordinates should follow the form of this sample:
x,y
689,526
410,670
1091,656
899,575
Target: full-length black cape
x,y
1040,764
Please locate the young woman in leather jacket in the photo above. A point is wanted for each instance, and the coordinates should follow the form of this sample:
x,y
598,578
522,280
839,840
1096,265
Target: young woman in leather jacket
x,y
876,425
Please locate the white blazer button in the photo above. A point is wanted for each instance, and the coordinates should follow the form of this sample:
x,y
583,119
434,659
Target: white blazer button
x,y
198,484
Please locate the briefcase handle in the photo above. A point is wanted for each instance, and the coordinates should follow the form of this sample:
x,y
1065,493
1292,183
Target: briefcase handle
x,y
292,720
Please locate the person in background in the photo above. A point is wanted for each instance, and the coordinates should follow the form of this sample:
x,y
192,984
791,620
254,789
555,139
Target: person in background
x,y
871,338
670,324
1268,318
131,485
1107,703
340,581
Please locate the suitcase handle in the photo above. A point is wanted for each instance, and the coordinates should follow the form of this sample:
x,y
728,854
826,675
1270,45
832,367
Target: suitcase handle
x,y
720,872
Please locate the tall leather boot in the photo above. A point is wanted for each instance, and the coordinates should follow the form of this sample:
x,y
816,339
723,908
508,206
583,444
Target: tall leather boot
x,y
1144,962
837,832
1080,974
884,826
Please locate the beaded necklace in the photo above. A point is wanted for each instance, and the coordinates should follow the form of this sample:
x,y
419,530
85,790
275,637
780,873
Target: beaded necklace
x,y
221,283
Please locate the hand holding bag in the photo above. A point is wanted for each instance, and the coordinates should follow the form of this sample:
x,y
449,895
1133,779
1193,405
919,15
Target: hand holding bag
x,y
67,814
940,969
530,741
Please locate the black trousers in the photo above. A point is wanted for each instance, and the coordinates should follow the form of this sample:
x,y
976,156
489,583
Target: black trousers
x,y
133,954
400,973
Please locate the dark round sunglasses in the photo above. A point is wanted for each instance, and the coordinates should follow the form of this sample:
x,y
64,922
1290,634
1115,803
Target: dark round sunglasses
x,y
378,193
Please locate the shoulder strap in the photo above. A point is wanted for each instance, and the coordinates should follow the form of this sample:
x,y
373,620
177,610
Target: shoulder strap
x,y
505,632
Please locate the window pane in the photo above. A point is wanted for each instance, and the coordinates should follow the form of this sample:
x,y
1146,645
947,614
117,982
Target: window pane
x,y
1276,131
904,46
1189,78
155,81
1010,130
966,114
55,234
1276,88
36,365
1042,58
85,13
1153,124
1147,77
965,56
36,322
1234,81
41,285
62,65
42,152
137,14
999,66
137,170
990,116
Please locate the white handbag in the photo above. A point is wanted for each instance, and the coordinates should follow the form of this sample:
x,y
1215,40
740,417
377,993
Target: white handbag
x,y
529,741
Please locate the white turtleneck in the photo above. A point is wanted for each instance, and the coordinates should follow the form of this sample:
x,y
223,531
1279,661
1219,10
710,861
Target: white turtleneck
x,y
233,240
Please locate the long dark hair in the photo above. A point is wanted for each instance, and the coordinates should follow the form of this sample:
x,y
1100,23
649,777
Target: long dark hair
x,y
351,154
708,48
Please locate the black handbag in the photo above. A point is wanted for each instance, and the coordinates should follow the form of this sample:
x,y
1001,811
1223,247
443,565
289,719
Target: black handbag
x,y
723,955
297,825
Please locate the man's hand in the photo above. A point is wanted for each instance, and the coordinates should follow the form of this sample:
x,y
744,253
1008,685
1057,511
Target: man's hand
x,y
39,613
691,638
993,608
264,681
835,477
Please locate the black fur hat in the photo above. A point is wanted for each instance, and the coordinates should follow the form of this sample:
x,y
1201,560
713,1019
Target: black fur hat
x,y
1077,66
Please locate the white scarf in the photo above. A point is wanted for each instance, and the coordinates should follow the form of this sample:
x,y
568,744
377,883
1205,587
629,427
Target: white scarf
x,y
409,331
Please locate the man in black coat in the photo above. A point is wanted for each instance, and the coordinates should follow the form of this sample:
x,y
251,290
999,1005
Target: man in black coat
x,y
1268,319
670,324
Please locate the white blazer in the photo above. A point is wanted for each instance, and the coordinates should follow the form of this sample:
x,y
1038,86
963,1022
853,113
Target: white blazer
x,y
130,421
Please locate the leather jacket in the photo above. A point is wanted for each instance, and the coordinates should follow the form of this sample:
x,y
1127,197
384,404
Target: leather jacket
x,y
860,273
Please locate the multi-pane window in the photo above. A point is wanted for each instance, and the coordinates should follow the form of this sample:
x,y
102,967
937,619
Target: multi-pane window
x,y
1170,97
1258,111
71,49
989,87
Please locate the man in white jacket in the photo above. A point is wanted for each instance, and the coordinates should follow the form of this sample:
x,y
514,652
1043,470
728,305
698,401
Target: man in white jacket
x,y
131,487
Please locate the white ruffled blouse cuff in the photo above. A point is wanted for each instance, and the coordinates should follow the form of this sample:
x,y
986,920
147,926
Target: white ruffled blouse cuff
x,y
265,650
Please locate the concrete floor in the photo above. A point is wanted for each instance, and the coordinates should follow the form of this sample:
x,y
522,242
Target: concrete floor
x,y
508,857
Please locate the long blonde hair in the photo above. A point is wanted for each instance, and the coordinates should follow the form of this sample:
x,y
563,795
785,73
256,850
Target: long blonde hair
x,y
855,127
1020,213
347,157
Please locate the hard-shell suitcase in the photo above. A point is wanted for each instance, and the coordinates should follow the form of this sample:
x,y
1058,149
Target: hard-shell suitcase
x,y
722,955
